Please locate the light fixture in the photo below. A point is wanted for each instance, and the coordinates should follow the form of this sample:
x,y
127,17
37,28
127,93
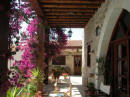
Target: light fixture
x,y
70,33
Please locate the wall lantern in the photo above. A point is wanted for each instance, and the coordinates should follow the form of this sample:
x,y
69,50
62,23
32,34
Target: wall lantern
x,y
70,33
98,30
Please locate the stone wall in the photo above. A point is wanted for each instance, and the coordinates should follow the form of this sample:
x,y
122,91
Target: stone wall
x,y
93,40
106,17
70,63
69,56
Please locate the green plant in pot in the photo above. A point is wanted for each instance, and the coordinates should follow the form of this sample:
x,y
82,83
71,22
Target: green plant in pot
x,y
56,74
65,75
57,71
90,88
101,65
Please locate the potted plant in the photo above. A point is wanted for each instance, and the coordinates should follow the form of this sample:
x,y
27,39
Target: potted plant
x,y
65,75
57,72
101,65
90,89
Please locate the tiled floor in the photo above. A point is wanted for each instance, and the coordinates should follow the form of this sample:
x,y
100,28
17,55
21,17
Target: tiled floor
x,y
64,86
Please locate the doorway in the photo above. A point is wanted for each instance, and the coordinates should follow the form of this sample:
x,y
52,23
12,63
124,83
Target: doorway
x,y
121,71
119,48
77,65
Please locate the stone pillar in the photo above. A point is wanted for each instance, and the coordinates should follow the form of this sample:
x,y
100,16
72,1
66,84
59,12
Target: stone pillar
x,y
84,59
70,63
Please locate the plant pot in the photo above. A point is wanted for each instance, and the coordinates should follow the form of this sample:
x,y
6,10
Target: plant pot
x,y
90,93
65,77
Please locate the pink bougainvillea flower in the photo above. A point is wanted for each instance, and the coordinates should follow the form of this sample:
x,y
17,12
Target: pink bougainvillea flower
x,y
27,11
11,58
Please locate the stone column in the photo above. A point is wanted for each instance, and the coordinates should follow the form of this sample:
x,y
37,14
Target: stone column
x,y
84,59
70,63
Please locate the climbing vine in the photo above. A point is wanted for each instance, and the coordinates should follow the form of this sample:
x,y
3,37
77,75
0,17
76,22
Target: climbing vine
x,y
55,41
23,16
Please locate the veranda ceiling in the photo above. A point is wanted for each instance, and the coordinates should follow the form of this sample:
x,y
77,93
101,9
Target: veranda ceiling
x,y
69,13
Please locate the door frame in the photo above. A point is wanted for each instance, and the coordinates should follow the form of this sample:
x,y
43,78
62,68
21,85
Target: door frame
x,y
118,41
115,66
80,72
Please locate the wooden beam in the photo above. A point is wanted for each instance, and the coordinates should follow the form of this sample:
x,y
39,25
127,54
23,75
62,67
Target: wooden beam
x,y
68,26
69,6
41,38
69,10
68,17
62,22
69,13
67,22
70,1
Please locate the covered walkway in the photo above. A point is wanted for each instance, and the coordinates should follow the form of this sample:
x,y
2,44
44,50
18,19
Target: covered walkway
x,y
105,47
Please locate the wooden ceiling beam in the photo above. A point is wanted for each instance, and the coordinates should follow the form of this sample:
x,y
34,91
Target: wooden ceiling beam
x,y
67,17
69,13
69,6
68,26
70,1
67,22
70,10
73,19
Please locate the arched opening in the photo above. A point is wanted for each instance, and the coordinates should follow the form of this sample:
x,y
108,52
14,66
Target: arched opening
x,y
118,56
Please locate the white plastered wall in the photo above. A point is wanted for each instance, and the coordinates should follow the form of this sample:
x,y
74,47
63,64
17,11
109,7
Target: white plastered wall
x,y
100,44
111,18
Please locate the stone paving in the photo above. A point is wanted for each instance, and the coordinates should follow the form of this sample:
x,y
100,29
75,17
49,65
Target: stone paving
x,y
64,86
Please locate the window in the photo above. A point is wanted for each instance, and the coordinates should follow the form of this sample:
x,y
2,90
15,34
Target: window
x,y
60,60
88,55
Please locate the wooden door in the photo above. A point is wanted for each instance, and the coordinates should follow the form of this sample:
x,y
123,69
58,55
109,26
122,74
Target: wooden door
x,y
121,81
120,56
77,65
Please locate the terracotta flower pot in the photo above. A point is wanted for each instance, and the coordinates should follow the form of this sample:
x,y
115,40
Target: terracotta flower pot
x,y
90,93
65,77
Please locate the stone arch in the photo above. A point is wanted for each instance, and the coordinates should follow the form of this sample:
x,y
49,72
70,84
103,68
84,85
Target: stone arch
x,y
107,29
110,20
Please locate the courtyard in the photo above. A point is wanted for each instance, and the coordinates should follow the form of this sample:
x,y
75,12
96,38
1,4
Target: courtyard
x,y
39,58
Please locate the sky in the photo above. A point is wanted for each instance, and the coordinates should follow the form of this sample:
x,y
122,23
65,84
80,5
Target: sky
x,y
77,33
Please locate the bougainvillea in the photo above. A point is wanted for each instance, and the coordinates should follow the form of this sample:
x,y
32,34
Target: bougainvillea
x,y
55,41
27,41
